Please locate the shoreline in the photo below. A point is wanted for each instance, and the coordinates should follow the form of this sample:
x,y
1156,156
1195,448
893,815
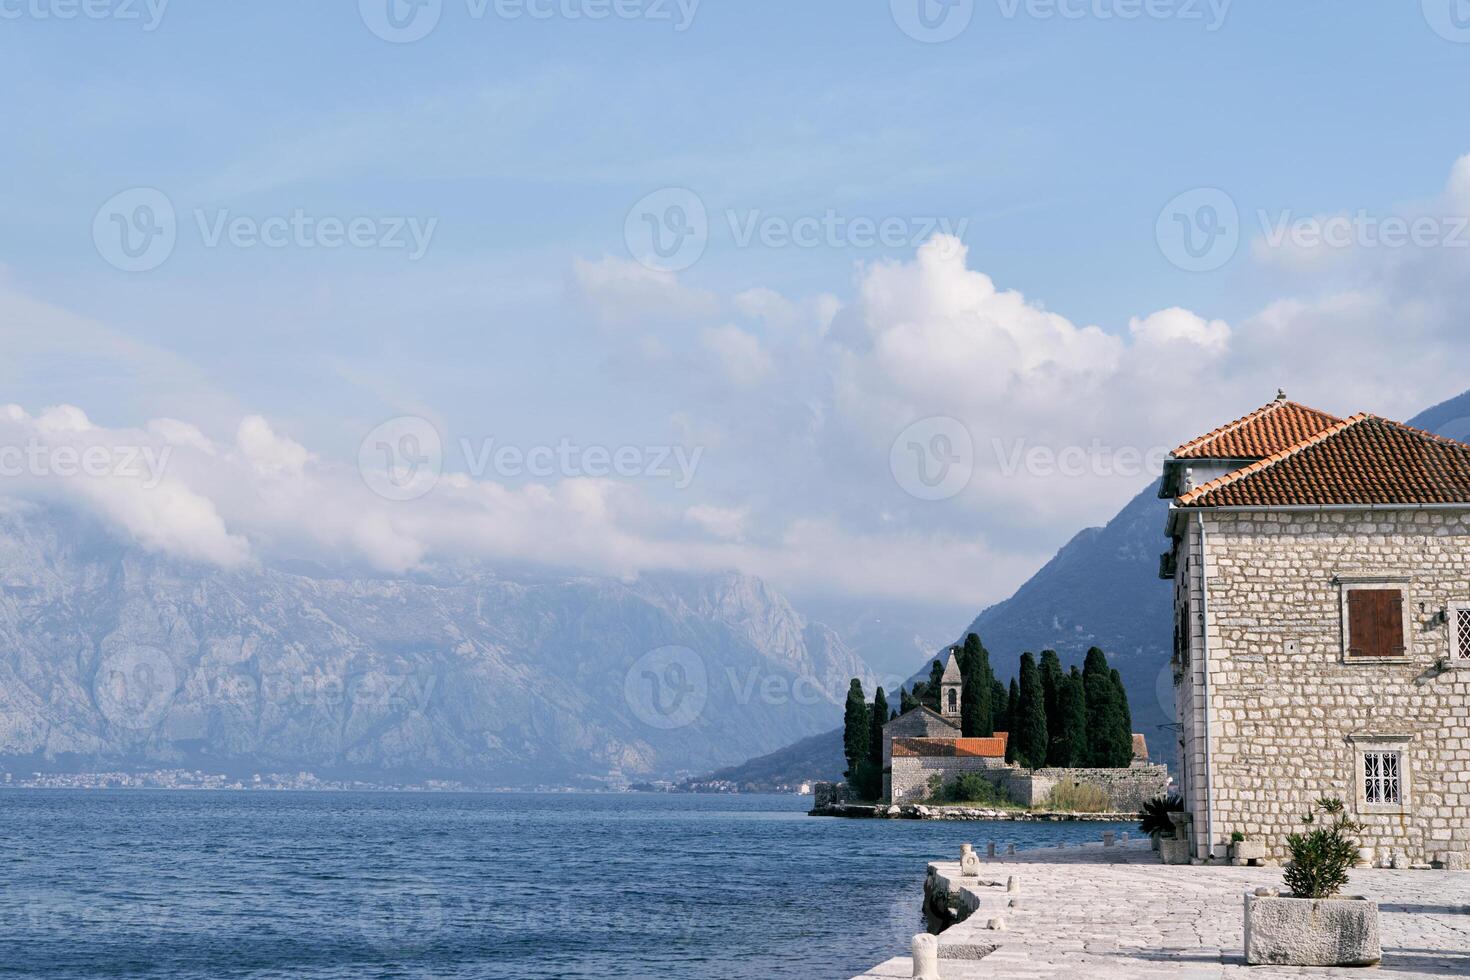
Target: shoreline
x,y
923,811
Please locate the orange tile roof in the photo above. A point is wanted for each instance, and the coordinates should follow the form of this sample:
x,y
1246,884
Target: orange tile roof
x,y
959,748
1272,429
1363,460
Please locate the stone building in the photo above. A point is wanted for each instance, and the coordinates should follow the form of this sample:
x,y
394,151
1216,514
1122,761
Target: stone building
x,y
923,743
1321,572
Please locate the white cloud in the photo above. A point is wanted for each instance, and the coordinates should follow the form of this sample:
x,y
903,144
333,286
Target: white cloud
x,y
739,355
621,291
268,452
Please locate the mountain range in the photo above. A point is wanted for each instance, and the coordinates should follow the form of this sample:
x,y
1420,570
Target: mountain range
x,y
114,657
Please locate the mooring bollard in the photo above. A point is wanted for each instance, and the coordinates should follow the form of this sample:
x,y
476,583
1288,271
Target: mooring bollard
x,y
996,924
1010,848
990,849
969,861
1013,885
1125,836
1061,845
1107,838
926,957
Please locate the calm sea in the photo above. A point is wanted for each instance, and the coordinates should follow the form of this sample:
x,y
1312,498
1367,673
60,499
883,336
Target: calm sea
x,y
313,886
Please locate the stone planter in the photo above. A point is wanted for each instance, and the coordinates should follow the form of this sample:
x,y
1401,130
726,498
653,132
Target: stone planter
x,y
1311,932
1174,850
1245,852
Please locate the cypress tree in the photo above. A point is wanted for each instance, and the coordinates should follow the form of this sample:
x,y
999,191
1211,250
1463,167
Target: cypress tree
x,y
879,718
1072,745
1052,681
936,686
1123,751
855,730
1097,681
1030,735
1013,704
906,702
999,721
975,709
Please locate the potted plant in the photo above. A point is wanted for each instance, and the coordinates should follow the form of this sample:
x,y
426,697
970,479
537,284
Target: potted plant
x,y
1154,820
1313,926
1243,850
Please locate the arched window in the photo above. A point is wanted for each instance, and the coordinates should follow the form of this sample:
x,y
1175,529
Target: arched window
x,y
954,700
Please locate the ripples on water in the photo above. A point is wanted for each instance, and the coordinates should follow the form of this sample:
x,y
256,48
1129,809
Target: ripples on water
x,y
316,886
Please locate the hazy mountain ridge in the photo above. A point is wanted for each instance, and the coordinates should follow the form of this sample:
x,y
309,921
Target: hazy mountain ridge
x,y
112,657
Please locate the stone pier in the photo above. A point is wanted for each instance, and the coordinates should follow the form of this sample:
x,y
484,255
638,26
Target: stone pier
x,y
1116,913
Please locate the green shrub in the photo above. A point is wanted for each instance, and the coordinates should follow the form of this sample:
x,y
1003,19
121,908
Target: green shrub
x,y
1236,837
970,788
1321,857
1077,798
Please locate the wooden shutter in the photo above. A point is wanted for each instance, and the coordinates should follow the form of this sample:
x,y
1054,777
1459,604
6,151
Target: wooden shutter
x,y
1376,623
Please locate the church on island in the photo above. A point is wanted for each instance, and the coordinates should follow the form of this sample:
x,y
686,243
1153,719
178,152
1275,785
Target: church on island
x,y
1321,574
922,743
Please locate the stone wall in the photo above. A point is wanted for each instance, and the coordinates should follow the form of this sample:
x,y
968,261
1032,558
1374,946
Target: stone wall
x,y
1127,789
1287,715
910,774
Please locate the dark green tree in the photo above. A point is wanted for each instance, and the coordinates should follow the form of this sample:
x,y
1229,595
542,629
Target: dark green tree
x,y
976,712
1103,711
1013,714
999,720
1030,734
936,686
856,730
879,718
1072,749
1052,681
1122,751
906,702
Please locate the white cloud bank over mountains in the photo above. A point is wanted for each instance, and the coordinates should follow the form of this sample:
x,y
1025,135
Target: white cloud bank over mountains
x,y
798,402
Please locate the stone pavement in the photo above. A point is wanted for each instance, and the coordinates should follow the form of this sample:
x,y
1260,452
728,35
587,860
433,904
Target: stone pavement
x,y
1116,913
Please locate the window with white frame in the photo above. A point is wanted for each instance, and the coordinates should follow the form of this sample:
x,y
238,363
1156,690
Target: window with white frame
x,y
1382,777
1460,634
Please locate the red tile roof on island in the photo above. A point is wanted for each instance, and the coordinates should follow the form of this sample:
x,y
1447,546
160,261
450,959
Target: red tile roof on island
x,y
1264,432
1364,460
962,748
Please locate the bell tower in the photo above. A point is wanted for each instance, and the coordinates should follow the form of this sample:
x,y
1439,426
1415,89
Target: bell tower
x,y
951,688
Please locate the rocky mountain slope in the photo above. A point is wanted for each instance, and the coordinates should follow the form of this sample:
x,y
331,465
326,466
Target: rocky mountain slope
x,y
113,657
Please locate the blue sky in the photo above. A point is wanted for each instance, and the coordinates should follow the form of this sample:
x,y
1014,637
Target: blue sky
x,y
1054,142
